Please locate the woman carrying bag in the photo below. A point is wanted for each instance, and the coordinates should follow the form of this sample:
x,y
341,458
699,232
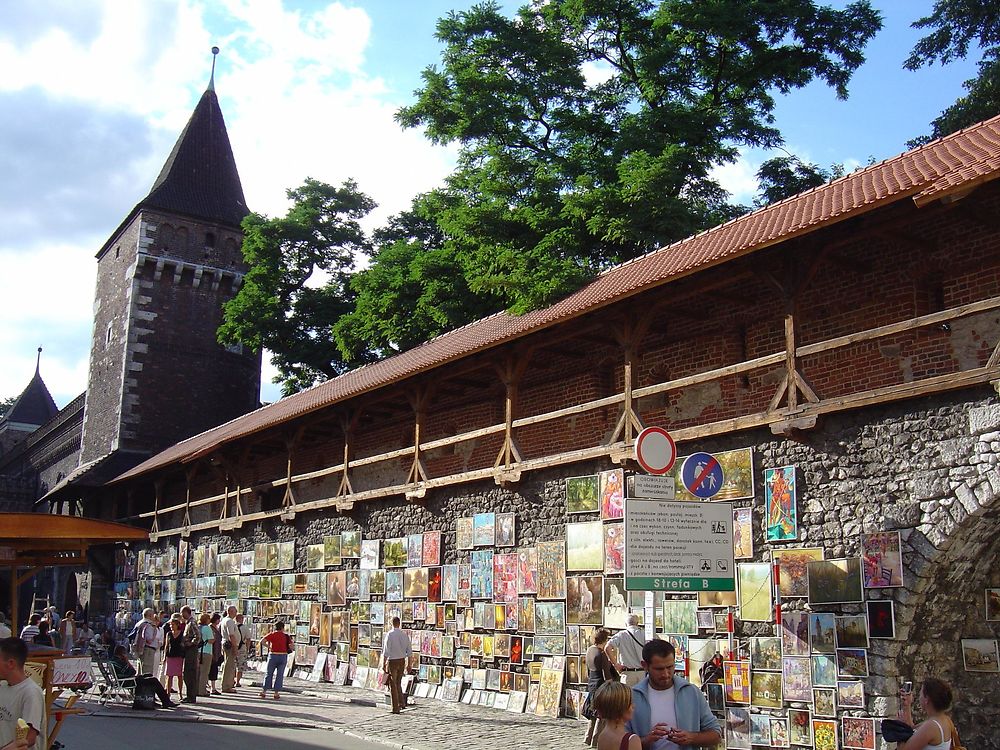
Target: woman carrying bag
x,y
599,670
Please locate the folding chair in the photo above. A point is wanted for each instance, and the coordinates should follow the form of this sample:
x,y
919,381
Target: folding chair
x,y
118,688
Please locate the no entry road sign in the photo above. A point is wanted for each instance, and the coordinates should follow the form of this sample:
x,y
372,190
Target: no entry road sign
x,y
655,450
702,475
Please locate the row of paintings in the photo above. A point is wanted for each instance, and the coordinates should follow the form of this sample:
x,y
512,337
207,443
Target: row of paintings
x,y
798,729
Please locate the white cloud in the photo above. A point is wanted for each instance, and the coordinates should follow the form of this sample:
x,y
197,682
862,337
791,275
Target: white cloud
x,y
738,177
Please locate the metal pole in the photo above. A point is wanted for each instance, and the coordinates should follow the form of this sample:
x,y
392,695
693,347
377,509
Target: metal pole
x,y
15,625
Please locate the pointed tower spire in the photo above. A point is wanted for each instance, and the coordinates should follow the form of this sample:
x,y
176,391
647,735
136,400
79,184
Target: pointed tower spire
x,y
211,78
38,362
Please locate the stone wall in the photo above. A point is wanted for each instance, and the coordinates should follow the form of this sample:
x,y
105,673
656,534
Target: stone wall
x,y
927,467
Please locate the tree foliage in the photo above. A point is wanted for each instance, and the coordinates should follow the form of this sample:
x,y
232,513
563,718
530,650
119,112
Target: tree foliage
x,y
6,404
957,26
277,307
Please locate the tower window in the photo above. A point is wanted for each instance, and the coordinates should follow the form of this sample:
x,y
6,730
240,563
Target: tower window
x,y
107,336
209,239
118,251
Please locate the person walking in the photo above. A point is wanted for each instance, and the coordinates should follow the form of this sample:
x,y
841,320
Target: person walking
x,y
192,654
243,649
67,632
279,644
230,635
174,657
668,711
937,731
205,665
599,670
213,674
395,655
625,650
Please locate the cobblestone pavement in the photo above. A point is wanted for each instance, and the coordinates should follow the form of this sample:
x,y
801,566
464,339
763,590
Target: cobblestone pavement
x,y
429,725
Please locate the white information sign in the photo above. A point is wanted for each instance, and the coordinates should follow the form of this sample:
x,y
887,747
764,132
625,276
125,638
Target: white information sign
x,y
652,487
71,671
679,546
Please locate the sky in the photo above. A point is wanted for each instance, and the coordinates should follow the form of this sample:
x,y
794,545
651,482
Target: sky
x,y
95,92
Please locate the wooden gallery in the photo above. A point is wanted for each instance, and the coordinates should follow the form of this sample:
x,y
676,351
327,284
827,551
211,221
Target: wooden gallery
x,y
838,351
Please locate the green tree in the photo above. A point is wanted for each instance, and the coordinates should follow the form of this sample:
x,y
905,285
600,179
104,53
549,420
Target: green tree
x,y
588,128
957,26
6,404
785,176
297,286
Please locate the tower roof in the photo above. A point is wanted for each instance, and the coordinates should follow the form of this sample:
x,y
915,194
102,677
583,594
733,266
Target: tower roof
x,y
199,178
35,404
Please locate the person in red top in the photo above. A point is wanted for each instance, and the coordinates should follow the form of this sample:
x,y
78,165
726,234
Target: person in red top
x,y
279,643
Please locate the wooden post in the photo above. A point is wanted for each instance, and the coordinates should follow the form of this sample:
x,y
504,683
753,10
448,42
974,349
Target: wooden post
x,y
15,625
347,425
418,472
288,500
629,335
510,373
790,370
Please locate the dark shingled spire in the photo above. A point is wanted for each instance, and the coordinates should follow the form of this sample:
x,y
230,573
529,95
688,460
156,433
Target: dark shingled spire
x,y
35,404
200,179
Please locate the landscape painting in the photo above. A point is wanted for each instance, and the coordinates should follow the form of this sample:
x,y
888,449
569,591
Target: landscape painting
x,y
583,494
882,560
551,570
754,592
793,568
584,546
484,529
835,581
737,470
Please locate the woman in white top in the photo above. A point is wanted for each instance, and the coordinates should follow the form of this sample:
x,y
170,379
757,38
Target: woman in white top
x,y
936,732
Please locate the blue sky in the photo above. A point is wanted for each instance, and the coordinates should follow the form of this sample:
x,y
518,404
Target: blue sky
x,y
96,91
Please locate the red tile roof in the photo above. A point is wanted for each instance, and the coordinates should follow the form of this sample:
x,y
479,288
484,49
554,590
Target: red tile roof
x,y
948,165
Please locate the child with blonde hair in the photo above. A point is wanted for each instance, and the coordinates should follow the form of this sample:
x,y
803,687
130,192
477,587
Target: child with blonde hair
x,y
613,703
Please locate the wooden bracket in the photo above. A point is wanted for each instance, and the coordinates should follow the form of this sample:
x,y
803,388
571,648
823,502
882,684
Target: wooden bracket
x,y
288,500
419,401
157,494
510,372
347,425
795,427
507,477
630,334
189,475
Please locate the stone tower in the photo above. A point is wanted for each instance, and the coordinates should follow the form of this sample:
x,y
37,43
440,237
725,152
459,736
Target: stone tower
x,y
157,374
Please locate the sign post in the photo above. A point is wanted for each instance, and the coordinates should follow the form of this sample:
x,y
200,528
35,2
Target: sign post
x,y
679,546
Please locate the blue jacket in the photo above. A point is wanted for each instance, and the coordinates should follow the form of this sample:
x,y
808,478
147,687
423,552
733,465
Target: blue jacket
x,y
693,713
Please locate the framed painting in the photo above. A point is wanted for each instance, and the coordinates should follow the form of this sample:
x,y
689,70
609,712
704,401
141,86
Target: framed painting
x,y
736,680
882,560
780,505
584,600
614,548
852,662
549,693
394,585
716,599
779,731
824,670
852,631
737,728
505,532
850,694
369,554
505,578
743,533
527,570
350,544
822,632
980,655
716,697
272,557
615,606
799,727
394,552
612,494
795,633
765,654
836,581
314,557
259,556
824,734
857,733
464,533
797,677
331,549
765,689
583,494
680,616
415,583
754,591
737,469
433,584
286,555
992,605
449,583
482,574
526,614
552,570
414,550
793,569
336,588
431,553
550,618
825,702
760,730
584,546
484,529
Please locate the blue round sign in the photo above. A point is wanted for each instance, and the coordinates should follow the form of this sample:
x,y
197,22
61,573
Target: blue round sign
x,y
702,475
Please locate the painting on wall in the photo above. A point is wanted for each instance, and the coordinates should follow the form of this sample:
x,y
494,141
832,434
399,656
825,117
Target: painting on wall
x,y
760,729
331,549
551,570
824,670
583,494
824,734
394,585
882,560
584,600
449,583
737,470
482,574
736,680
754,592
825,702
464,534
336,588
743,533
612,494
822,632
852,631
615,606
980,655
431,554
780,505
795,633
394,553
350,544
484,529
799,727
584,546
550,618
852,662
527,570
526,614
286,555
549,693
415,583
737,728
793,569
765,689
797,678
857,733
717,599
850,694
433,584
765,654
680,616
369,554
314,557
414,550
506,530
614,548
836,581
505,578
779,731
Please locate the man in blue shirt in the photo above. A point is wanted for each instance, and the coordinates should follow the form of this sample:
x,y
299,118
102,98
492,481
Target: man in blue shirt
x,y
669,712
